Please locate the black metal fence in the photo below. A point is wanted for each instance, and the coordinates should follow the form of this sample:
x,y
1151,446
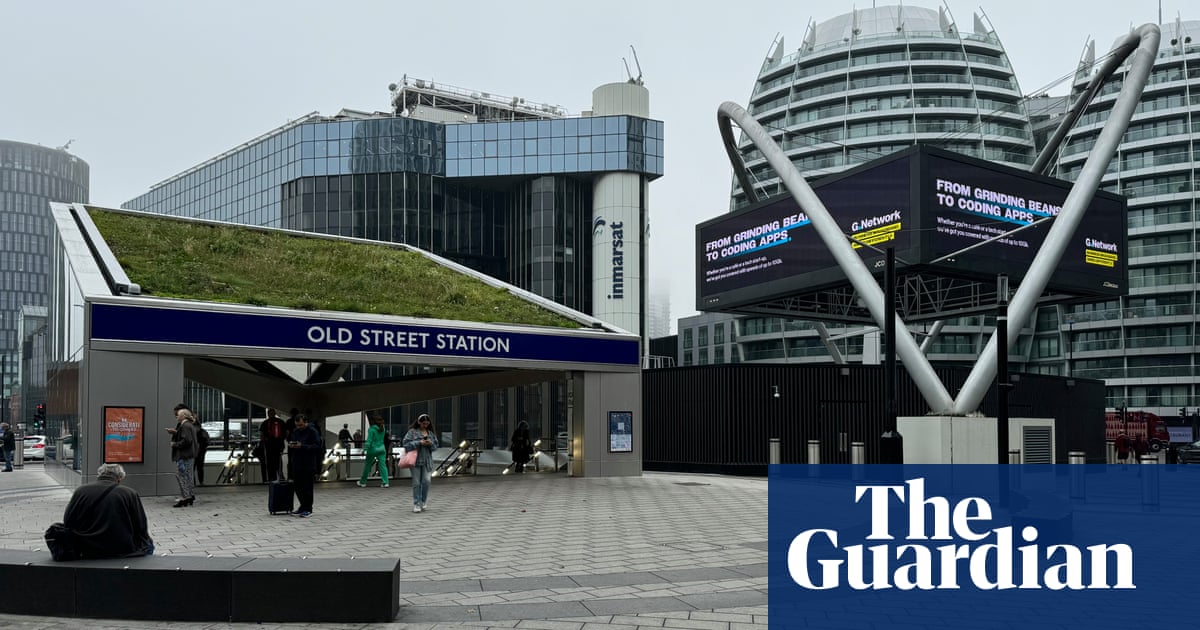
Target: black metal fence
x,y
720,418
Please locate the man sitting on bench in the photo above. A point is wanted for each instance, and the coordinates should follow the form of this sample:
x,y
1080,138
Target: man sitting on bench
x,y
107,519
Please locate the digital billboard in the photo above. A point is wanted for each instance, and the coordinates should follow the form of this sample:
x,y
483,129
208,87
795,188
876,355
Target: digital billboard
x,y
969,204
928,204
771,249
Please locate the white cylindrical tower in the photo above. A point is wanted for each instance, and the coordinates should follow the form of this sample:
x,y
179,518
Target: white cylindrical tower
x,y
619,205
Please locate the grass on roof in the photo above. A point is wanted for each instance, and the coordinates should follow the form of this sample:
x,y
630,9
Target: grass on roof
x,y
180,259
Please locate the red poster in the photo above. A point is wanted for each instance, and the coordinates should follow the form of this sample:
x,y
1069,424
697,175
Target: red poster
x,y
124,428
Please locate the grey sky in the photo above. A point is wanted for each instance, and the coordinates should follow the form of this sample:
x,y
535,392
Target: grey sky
x,y
148,89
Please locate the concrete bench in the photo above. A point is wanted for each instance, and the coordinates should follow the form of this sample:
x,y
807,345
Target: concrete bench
x,y
189,588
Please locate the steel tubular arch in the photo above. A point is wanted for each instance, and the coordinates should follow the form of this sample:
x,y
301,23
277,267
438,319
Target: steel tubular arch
x,y
1025,299
917,365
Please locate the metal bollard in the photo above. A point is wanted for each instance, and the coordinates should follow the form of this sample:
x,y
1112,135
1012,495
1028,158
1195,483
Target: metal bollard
x,y
1110,452
1078,480
1149,475
858,457
814,451
774,454
1014,469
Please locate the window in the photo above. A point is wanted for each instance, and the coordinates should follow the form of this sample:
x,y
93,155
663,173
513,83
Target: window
x,y
703,336
687,339
719,333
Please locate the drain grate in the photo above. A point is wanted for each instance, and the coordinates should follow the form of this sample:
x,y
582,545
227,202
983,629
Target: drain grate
x,y
691,483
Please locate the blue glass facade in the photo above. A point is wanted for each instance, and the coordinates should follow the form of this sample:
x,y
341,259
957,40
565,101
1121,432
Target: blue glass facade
x,y
503,197
565,145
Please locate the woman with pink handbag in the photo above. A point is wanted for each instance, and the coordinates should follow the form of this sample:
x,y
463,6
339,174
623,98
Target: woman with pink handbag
x,y
419,443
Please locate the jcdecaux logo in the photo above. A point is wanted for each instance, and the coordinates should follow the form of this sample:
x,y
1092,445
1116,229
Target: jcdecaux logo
x,y
947,544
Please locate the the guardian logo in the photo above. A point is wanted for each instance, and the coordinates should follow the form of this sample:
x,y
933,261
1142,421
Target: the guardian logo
x,y
987,560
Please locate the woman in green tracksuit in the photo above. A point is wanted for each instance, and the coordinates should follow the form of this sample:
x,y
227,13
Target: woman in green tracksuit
x,y
376,452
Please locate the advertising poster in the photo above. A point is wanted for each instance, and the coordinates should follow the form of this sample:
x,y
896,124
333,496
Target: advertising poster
x,y
980,546
620,431
773,245
971,206
124,430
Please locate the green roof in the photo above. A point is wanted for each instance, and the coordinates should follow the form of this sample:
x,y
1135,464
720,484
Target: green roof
x,y
171,258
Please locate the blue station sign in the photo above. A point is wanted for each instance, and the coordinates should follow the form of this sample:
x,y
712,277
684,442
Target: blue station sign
x,y
154,324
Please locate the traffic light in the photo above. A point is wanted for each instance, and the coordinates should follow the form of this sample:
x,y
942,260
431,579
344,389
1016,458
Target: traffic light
x,y
1183,412
39,417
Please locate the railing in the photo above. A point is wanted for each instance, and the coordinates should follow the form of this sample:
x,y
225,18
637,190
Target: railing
x,y
462,460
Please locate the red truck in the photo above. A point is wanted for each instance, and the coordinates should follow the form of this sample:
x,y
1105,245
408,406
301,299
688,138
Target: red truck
x,y
1137,424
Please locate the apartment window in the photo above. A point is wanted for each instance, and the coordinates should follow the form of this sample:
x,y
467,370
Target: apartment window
x,y
703,356
687,339
687,358
1045,347
719,354
719,333
703,336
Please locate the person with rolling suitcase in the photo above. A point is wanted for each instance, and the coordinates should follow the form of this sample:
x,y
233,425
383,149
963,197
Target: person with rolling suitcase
x,y
304,451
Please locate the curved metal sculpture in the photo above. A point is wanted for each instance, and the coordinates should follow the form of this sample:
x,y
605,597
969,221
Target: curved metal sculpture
x,y
856,270
1141,44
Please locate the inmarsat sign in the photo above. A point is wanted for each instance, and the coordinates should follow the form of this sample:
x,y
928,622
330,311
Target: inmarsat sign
x,y
926,204
974,546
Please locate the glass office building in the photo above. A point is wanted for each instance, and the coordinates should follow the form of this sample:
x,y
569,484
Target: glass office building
x,y
511,198
1144,345
31,176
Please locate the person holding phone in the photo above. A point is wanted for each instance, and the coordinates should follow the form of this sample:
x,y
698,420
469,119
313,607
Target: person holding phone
x,y
304,451
422,437
184,447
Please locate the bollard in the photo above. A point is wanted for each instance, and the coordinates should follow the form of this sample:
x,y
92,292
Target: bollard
x,y
1078,481
774,455
814,451
1149,475
1110,452
858,457
1014,470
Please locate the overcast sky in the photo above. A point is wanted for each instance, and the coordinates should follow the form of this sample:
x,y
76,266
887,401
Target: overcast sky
x,y
147,89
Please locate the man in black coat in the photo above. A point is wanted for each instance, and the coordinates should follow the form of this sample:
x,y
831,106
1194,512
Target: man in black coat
x,y
107,518
304,457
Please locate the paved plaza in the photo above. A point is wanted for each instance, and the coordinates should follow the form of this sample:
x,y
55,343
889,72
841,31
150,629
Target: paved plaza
x,y
538,551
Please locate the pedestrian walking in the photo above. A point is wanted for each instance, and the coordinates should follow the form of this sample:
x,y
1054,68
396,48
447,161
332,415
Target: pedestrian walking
x,y
521,446
8,444
422,437
375,452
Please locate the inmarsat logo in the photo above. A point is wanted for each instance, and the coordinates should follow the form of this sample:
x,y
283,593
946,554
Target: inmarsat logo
x,y
994,565
618,255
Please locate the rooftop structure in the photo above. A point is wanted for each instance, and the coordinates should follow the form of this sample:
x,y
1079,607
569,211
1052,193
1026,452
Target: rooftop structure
x,y
438,102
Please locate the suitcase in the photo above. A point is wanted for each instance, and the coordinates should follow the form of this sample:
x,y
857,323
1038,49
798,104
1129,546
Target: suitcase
x,y
280,497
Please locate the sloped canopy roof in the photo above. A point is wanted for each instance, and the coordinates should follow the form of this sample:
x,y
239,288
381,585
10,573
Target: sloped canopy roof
x,y
187,259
